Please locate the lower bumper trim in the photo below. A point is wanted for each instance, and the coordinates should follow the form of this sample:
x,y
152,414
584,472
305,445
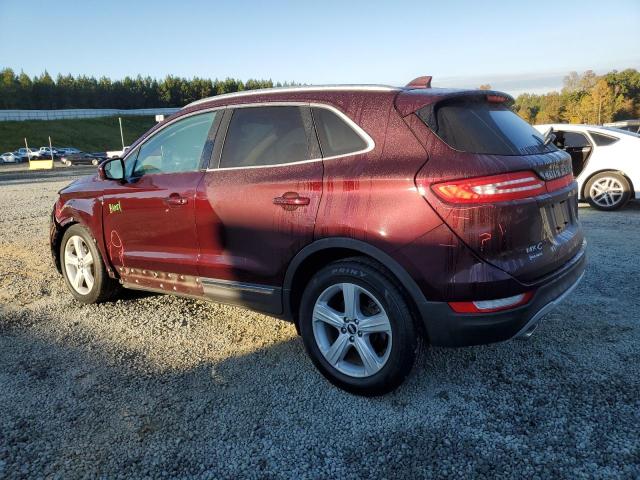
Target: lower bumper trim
x,y
446,328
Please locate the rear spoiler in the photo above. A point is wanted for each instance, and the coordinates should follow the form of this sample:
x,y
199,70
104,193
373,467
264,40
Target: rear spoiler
x,y
412,99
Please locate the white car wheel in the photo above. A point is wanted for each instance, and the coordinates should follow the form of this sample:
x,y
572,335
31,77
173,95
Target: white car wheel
x,y
607,191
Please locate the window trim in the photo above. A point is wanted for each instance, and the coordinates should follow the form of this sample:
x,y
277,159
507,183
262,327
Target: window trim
x,y
370,144
222,127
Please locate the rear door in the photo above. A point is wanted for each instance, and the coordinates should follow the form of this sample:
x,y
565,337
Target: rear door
x,y
149,221
577,145
258,202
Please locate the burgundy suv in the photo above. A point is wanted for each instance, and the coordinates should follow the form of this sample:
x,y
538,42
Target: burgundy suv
x,y
369,216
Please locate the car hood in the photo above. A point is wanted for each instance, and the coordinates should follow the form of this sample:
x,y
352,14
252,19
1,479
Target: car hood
x,y
82,184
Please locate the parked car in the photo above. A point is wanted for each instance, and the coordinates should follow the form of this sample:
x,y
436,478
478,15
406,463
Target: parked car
x,y
27,154
117,153
604,161
628,125
368,216
100,155
10,157
67,150
80,158
45,152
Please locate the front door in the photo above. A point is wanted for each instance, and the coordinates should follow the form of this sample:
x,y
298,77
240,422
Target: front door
x,y
149,221
257,206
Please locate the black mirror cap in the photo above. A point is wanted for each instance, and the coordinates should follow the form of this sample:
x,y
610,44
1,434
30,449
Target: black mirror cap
x,y
105,174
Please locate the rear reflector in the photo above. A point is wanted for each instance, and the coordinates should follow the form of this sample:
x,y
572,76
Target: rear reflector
x,y
496,188
488,306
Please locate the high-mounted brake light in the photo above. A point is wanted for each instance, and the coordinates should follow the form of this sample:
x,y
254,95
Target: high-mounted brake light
x,y
496,99
489,306
495,188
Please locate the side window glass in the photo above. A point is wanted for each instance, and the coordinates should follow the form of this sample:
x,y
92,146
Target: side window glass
x,y
575,140
336,136
259,136
602,140
177,148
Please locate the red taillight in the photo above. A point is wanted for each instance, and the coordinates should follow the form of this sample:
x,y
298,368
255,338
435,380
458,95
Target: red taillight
x,y
496,188
489,306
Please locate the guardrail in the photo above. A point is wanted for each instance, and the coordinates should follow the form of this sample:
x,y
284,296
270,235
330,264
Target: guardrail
x,y
21,115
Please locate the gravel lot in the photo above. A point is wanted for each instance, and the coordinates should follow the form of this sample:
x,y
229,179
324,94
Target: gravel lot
x,y
155,386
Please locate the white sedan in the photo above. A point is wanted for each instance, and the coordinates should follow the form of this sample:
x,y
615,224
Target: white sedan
x,y
10,157
606,162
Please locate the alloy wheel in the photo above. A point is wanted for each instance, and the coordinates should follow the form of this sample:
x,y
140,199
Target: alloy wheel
x,y
606,192
79,265
352,330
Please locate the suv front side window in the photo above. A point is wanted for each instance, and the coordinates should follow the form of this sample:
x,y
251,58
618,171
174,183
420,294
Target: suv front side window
x,y
176,148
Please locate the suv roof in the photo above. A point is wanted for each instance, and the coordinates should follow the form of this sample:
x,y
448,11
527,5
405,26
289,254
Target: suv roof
x,y
306,88
418,89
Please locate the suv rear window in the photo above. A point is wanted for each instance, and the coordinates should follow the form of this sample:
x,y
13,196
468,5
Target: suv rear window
x,y
477,126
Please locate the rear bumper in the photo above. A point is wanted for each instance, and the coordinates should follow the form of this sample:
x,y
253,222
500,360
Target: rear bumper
x,y
449,329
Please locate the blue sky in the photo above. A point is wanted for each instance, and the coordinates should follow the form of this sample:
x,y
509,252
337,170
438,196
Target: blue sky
x,y
516,46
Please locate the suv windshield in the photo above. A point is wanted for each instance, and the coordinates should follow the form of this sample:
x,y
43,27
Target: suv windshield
x,y
475,125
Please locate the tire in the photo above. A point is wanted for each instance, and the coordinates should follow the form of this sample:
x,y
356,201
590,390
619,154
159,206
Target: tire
x,y
337,340
607,191
95,285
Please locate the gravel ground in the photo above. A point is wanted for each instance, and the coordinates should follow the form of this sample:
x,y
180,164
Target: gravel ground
x,y
155,386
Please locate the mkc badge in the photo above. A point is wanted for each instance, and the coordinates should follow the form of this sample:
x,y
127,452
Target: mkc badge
x,y
115,207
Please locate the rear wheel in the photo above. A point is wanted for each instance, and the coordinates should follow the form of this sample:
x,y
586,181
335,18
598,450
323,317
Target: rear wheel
x,y
357,327
83,268
607,191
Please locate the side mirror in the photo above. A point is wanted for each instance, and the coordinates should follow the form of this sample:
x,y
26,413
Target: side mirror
x,y
112,169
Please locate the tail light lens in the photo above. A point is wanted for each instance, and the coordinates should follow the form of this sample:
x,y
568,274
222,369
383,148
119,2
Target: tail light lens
x,y
489,306
495,188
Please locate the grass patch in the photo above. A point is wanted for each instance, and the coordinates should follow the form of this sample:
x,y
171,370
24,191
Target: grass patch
x,y
88,134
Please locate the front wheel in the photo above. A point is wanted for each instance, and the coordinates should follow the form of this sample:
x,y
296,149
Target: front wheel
x,y
357,327
607,191
83,268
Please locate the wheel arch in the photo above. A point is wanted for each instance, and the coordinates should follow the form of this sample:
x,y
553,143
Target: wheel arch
x,y
57,232
321,252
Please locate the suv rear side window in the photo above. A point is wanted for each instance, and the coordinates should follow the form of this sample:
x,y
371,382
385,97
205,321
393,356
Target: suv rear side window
x,y
335,135
477,126
176,148
260,136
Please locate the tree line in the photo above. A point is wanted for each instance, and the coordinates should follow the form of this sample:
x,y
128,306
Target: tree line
x,y
20,91
584,98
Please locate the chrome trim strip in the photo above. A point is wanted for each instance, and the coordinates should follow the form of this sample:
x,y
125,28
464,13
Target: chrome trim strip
x,y
316,88
238,286
527,330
